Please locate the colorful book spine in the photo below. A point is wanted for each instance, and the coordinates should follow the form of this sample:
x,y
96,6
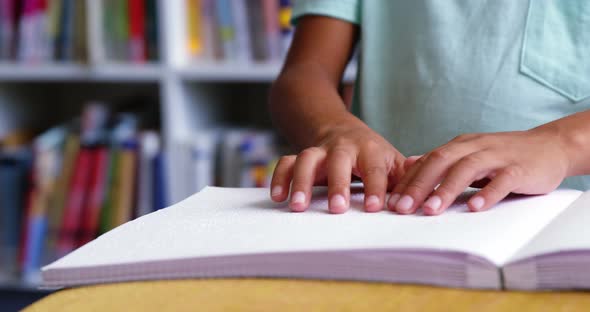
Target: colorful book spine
x,y
160,182
148,150
14,183
270,11
152,36
137,31
285,12
125,199
195,44
111,191
58,199
78,190
65,46
7,28
98,179
242,31
227,32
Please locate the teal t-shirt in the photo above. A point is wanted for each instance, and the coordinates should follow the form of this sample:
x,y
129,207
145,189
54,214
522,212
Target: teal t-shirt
x,y
430,70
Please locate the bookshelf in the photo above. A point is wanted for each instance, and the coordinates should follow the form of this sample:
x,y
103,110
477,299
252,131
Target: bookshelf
x,y
191,96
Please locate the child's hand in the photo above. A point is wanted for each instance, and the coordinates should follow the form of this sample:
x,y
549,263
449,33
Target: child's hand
x,y
346,149
526,162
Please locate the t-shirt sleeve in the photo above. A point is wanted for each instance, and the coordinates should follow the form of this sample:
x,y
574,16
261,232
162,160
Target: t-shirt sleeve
x,y
347,10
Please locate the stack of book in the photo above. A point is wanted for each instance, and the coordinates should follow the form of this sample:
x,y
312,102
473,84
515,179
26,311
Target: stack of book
x,y
37,31
45,31
238,30
73,183
124,30
224,157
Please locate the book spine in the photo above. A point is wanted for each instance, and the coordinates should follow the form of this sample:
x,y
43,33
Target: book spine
x,y
256,26
6,28
120,30
160,191
226,29
194,31
65,46
59,196
270,9
209,30
91,213
242,31
137,40
14,186
125,199
149,147
53,27
285,13
75,203
26,28
152,30
106,214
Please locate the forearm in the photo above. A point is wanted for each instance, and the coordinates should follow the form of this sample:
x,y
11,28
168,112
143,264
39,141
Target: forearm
x,y
574,133
305,104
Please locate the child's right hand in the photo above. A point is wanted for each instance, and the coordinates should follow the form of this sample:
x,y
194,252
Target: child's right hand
x,y
345,149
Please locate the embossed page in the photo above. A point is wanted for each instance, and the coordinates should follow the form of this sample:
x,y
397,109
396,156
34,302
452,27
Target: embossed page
x,y
230,221
570,231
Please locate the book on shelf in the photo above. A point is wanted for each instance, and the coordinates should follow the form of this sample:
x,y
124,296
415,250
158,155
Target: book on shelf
x,y
15,165
49,31
523,242
72,183
238,30
128,29
43,31
230,157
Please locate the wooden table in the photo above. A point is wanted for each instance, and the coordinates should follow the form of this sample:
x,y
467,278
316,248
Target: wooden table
x,y
299,295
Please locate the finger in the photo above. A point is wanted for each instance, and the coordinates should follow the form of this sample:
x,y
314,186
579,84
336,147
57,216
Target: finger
x,y
470,168
401,184
304,173
375,177
281,178
428,175
339,165
498,188
410,161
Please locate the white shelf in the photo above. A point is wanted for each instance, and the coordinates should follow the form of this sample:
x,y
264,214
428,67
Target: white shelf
x,y
239,72
79,72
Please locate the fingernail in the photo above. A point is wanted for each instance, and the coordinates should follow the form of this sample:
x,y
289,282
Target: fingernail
x,y
338,202
477,203
393,201
404,205
372,203
276,191
298,198
433,203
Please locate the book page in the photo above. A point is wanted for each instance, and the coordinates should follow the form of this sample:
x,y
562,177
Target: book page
x,y
232,221
570,231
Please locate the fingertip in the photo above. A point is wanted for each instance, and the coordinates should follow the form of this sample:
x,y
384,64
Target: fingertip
x,y
432,206
404,205
337,204
277,194
298,202
373,204
476,203
393,199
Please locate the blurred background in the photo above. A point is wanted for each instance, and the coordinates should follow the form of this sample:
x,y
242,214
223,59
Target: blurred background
x,y
111,109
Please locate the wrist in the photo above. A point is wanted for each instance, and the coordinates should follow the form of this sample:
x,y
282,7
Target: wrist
x,y
345,122
574,142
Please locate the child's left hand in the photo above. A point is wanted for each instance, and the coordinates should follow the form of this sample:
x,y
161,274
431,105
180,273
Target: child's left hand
x,y
525,162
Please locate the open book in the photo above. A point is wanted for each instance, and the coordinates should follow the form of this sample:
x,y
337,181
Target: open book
x,y
535,242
